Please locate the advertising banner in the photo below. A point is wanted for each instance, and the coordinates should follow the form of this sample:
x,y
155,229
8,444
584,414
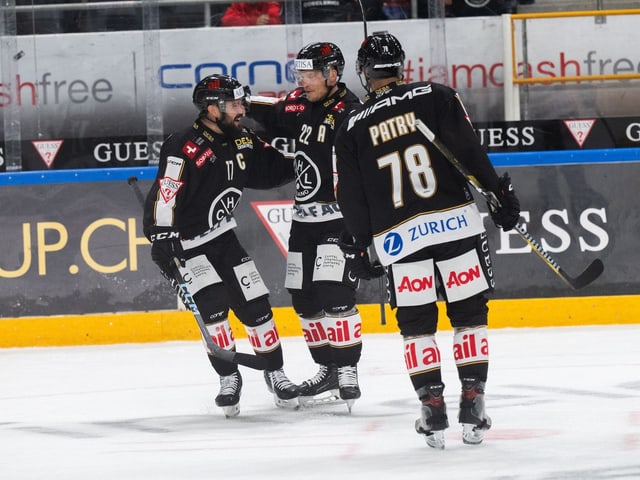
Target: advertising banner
x,y
134,86
74,248
523,136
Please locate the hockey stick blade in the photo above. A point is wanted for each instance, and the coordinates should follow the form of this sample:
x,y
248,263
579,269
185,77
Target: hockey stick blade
x,y
591,273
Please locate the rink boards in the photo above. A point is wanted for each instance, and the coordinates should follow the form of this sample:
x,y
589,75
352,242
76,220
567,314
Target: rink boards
x,y
171,325
76,269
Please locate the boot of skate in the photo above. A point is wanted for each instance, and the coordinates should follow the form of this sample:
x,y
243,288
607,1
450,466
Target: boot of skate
x,y
348,384
321,388
433,415
285,392
475,421
229,395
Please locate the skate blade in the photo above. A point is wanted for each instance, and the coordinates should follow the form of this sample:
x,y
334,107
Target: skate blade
x,y
471,434
434,439
330,397
350,403
289,404
231,410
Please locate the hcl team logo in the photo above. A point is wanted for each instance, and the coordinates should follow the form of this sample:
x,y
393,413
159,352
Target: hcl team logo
x,y
393,244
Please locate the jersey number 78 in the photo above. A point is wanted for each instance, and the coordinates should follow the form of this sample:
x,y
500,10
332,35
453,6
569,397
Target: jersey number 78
x,y
417,163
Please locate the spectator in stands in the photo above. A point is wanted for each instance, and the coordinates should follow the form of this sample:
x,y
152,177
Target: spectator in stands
x,y
396,9
322,11
36,22
476,8
257,13
471,8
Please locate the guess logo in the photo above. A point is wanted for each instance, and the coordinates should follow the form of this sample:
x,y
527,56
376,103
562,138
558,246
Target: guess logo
x,y
169,188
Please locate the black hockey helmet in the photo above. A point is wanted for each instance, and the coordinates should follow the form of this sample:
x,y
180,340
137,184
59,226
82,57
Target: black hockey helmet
x,y
320,56
380,56
218,89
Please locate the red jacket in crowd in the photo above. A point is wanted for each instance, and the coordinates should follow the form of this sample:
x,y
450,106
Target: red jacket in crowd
x,y
259,13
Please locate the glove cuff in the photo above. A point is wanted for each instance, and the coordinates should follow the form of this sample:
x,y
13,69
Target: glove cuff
x,y
160,234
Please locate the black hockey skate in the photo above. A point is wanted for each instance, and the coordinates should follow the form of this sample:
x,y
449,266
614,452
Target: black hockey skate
x,y
475,421
285,392
348,384
229,395
433,415
320,389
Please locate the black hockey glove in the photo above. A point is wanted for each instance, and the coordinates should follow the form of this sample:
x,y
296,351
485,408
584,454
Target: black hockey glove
x,y
358,259
165,246
508,214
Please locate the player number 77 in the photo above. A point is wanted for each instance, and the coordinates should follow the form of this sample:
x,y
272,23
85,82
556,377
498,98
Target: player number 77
x,y
591,273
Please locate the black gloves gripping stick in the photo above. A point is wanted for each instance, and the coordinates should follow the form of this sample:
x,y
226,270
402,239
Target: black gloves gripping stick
x,y
505,216
358,259
165,246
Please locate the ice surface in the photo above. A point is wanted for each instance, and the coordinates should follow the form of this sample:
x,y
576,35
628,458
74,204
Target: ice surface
x,y
565,404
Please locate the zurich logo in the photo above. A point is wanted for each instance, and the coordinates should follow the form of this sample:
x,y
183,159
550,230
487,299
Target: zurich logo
x,y
393,244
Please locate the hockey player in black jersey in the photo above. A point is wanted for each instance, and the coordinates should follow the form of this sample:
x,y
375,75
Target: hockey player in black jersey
x,y
400,193
319,280
189,215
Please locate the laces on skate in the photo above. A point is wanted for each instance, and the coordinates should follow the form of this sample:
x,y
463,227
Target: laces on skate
x,y
229,395
321,389
285,392
348,384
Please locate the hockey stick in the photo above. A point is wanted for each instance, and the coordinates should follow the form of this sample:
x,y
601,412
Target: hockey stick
x,y
364,19
592,271
248,360
383,288
383,301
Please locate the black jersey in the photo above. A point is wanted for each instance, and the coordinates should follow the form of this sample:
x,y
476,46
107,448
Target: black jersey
x,y
312,125
396,187
201,177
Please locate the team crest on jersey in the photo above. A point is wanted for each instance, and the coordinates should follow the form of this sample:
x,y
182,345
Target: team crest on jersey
x,y
330,120
169,188
339,107
190,149
224,205
307,177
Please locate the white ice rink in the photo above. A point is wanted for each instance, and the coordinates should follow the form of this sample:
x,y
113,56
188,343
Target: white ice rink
x,y
565,404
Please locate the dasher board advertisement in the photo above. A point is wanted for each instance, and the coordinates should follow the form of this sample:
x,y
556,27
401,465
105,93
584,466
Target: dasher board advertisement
x,y
74,248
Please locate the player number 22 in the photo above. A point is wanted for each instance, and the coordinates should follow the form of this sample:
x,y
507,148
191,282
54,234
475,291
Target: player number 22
x,y
418,164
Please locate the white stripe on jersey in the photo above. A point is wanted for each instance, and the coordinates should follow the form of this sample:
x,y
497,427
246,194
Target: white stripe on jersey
x,y
166,203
